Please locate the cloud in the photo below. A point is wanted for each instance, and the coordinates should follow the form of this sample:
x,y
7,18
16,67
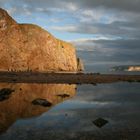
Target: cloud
x,y
123,5
91,16
103,51
121,29
69,28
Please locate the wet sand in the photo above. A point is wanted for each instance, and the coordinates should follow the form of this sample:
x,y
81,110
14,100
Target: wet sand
x,y
70,78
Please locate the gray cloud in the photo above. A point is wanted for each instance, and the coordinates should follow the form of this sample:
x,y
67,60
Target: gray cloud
x,y
123,29
108,52
124,5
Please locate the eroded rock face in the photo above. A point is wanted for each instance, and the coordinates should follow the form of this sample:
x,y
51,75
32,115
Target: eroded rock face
x,y
80,65
25,47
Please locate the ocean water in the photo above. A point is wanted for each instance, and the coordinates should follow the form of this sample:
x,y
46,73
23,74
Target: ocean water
x,y
102,59
72,116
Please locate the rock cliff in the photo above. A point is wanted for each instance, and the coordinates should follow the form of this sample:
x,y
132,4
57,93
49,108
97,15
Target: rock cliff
x,y
134,68
28,47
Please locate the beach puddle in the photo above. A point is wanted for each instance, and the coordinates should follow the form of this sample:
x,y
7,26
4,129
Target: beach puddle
x,y
63,111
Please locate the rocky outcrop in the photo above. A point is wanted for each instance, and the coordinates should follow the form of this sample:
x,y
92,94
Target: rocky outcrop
x,y
134,68
28,47
80,65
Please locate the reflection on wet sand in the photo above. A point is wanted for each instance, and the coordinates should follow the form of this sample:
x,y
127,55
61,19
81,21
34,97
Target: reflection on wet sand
x,y
19,104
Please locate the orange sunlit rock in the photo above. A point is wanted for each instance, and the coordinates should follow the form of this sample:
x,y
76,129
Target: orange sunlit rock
x,y
28,47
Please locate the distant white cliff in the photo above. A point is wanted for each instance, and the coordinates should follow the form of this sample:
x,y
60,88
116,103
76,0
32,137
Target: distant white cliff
x,y
134,68
126,68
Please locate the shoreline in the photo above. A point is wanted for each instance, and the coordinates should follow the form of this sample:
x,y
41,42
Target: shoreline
x,y
65,78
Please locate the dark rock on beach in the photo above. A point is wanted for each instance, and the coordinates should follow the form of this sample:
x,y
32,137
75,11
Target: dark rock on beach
x,y
63,95
42,102
100,122
5,93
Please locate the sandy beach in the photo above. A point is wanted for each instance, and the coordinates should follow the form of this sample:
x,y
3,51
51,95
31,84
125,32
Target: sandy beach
x,y
69,78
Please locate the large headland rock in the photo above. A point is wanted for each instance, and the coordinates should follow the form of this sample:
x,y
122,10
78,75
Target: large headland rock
x,y
28,47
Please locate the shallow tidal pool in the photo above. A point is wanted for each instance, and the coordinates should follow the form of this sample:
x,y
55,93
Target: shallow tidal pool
x,y
71,116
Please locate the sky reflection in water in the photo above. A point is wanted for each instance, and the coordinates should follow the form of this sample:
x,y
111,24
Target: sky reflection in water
x,y
118,103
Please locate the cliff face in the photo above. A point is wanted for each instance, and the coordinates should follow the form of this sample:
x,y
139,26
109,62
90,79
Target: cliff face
x,y
134,68
127,68
80,65
29,47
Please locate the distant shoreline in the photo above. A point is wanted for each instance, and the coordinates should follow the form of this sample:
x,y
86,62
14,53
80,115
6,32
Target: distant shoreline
x,y
130,68
65,78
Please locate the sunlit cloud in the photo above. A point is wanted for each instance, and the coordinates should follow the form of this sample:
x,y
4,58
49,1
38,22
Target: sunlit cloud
x,y
69,28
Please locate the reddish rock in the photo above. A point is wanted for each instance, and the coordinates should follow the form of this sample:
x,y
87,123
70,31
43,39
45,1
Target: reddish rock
x,y
25,47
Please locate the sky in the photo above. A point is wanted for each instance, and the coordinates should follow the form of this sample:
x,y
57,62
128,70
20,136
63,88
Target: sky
x,y
104,32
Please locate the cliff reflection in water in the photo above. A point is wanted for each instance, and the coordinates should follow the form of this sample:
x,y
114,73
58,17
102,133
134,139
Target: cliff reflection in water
x,y
19,104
